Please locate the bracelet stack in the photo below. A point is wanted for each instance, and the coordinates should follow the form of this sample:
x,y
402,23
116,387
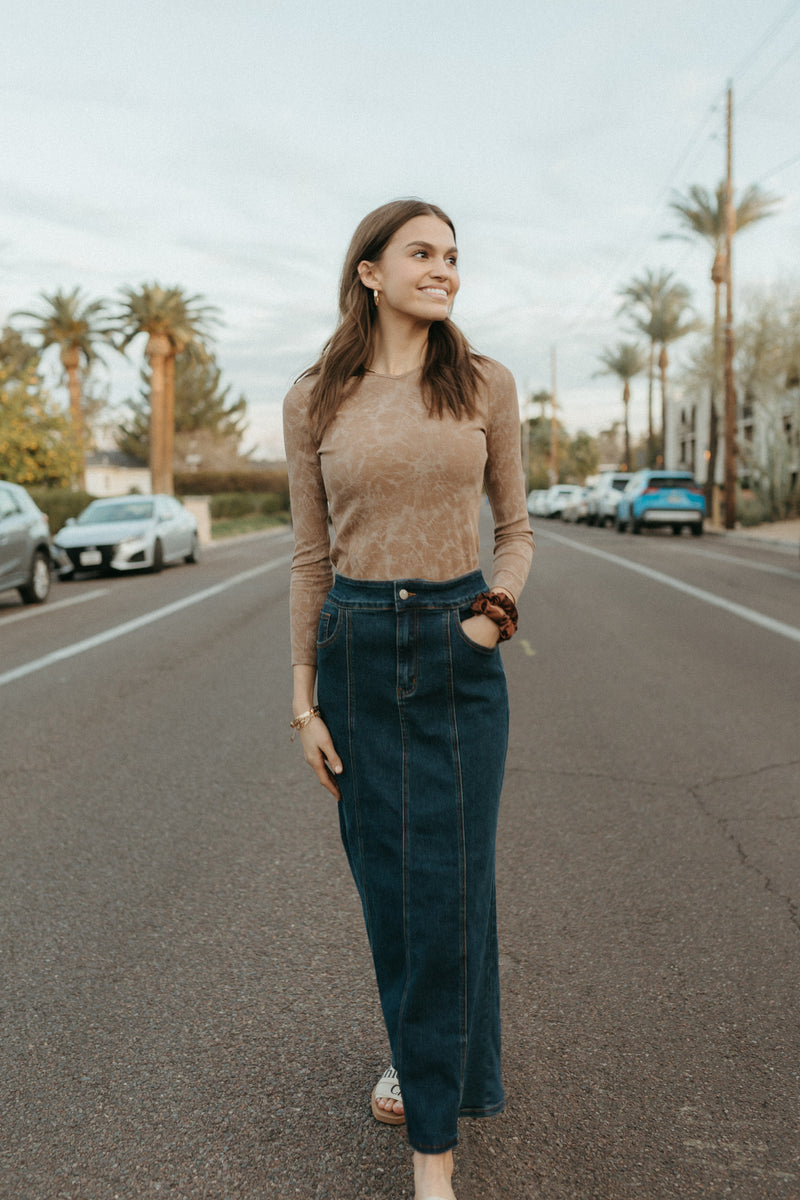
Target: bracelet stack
x,y
304,718
498,608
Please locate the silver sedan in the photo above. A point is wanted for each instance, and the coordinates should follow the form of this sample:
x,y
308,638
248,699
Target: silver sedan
x,y
128,533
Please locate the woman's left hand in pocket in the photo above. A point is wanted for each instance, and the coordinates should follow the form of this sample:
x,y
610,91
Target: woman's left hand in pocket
x,y
481,629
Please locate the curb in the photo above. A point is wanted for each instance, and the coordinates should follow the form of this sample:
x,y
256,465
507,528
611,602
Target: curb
x,y
784,545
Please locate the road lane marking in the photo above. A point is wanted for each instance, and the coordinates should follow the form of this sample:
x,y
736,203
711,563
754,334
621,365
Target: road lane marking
x,y
39,609
738,610
527,647
157,614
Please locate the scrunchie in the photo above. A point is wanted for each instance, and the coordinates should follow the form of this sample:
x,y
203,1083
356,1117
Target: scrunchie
x,y
498,608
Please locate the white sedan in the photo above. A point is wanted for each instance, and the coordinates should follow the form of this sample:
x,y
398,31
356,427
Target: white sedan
x,y
128,533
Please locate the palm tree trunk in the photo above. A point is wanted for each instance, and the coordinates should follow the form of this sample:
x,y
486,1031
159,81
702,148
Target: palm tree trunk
x,y
663,363
169,422
650,433
157,351
70,360
626,396
713,415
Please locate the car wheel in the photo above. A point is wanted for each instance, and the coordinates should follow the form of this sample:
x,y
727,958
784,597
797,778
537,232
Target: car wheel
x,y
194,553
676,530
697,530
37,589
158,557
621,525
636,526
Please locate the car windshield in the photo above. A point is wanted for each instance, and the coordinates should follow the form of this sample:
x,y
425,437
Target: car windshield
x,y
619,484
101,513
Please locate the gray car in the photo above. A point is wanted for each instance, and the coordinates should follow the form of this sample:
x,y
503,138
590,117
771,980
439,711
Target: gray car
x,y
24,545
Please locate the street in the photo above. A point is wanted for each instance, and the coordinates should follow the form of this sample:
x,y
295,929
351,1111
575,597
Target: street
x,y
186,997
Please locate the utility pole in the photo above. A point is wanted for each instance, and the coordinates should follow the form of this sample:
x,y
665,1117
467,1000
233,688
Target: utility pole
x,y
553,420
730,386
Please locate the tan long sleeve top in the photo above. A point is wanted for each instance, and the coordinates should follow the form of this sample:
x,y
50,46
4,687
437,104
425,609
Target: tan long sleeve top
x,y
404,491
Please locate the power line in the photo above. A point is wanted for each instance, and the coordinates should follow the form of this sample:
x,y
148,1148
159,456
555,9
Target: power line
x,y
770,75
697,140
780,167
646,234
753,54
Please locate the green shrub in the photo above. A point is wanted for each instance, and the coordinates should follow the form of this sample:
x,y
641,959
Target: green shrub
x,y
752,510
59,504
232,504
273,480
273,502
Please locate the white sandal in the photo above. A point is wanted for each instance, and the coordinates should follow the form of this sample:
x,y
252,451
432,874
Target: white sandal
x,y
387,1088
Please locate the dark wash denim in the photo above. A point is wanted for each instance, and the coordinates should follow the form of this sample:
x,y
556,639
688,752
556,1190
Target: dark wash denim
x,y
419,714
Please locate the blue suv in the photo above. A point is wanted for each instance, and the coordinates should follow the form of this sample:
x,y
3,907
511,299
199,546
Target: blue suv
x,y
661,498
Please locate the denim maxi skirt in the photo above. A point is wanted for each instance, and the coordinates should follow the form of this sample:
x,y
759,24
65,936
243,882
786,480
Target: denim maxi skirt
x,y
419,716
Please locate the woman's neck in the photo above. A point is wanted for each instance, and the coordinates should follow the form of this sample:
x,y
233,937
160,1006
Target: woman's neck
x,y
398,350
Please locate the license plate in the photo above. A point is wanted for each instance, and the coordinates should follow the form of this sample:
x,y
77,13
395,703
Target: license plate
x,y
675,498
91,558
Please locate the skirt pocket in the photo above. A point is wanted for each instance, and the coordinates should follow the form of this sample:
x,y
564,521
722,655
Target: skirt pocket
x,y
463,614
330,624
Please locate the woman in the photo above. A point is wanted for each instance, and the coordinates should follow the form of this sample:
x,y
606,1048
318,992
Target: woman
x,y
393,433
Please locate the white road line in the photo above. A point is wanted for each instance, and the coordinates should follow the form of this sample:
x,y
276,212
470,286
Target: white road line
x,y
39,610
738,610
157,614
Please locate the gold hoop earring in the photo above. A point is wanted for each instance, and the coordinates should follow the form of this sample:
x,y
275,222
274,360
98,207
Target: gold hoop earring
x,y
376,294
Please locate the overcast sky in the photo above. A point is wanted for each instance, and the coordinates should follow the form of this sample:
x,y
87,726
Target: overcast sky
x,y
232,149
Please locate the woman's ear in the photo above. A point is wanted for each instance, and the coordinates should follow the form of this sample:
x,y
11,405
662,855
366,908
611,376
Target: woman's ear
x,y
366,273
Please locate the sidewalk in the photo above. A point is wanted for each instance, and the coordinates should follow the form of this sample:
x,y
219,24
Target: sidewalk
x,y
782,535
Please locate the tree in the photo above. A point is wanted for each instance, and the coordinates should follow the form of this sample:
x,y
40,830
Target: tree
x,y
75,325
37,441
703,216
173,323
201,403
625,361
661,310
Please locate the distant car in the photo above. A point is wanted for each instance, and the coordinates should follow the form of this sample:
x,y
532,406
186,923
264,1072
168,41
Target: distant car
x,y
536,502
605,497
558,495
25,558
576,507
661,498
128,533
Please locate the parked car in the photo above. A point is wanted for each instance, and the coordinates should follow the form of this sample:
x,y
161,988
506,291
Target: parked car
x,y
661,498
128,533
605,497
575,507
25,558
536,502
557,497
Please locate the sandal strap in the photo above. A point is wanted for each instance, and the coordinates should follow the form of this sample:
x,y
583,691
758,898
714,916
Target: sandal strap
x,y
388,1087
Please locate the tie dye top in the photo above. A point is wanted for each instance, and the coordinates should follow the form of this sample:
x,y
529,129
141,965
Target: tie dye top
x,y
403,490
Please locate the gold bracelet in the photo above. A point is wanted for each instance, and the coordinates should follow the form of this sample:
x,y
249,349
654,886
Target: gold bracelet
x,y
303,719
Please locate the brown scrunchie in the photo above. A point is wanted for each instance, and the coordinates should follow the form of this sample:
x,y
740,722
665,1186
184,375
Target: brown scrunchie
x,y
498,608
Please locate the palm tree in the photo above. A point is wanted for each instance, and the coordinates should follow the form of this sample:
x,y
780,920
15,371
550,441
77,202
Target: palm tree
x,y
660,309
75,325
625,361
644,293
173,322
703,216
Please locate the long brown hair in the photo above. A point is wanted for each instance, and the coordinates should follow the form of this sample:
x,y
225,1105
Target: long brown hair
x,y
451,373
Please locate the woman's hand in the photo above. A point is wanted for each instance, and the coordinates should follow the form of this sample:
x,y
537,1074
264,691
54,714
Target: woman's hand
x,y
320,754
481,629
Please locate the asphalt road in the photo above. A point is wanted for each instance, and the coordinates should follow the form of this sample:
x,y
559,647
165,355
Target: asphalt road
x,y
186,1000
